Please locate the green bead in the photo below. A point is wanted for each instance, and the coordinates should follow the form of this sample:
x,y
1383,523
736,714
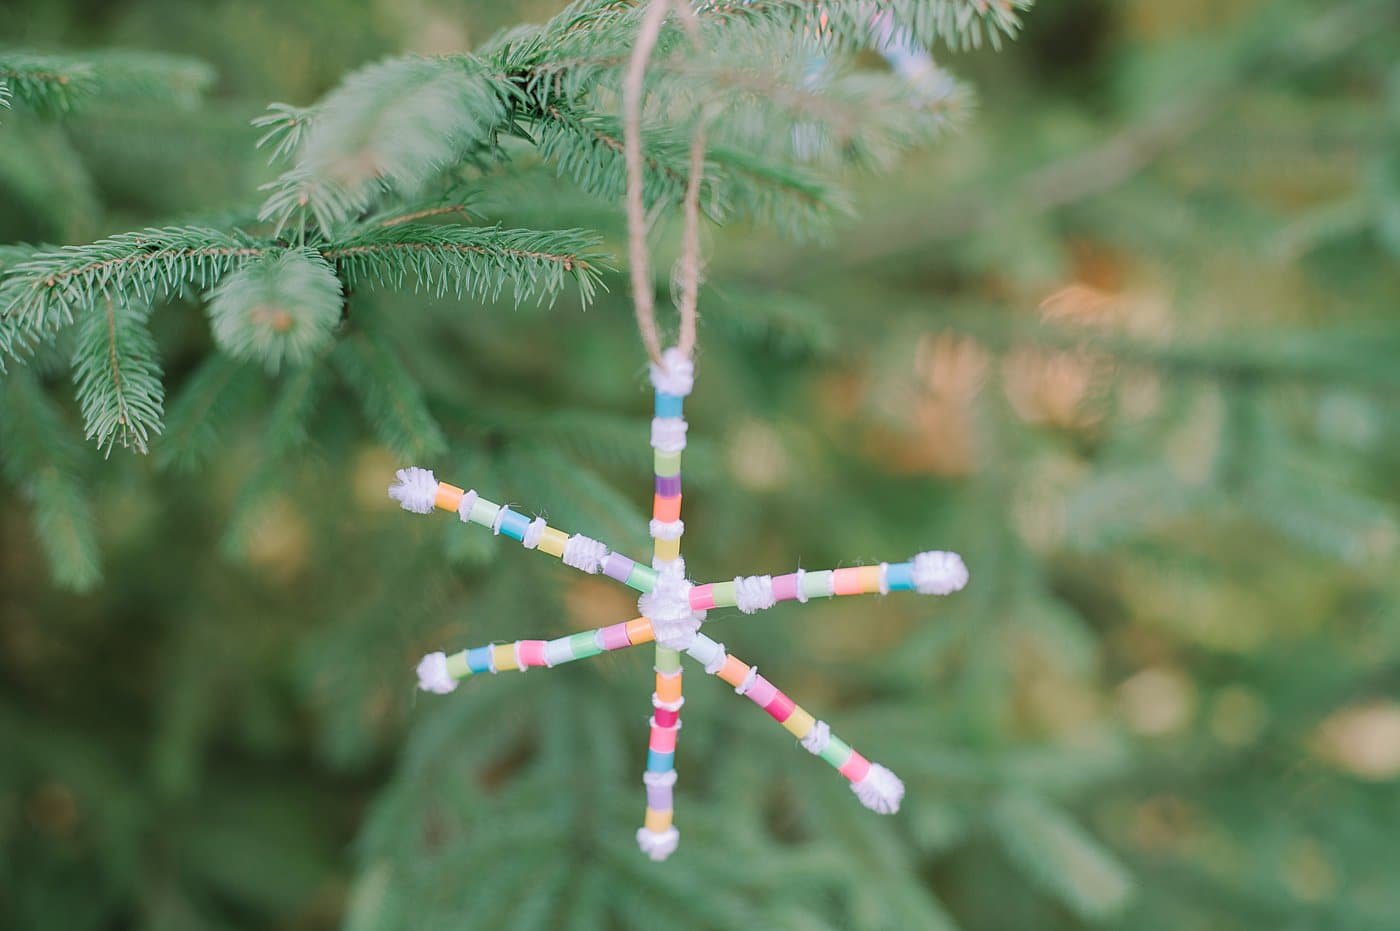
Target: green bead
x,y
723,594
457,666
585,644
642,578
837,751
667,463
484,512
667,660
817,584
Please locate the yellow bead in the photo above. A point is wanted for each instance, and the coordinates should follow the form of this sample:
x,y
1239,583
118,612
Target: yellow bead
x,y
503,657
657,821
553,542
667,549
800,723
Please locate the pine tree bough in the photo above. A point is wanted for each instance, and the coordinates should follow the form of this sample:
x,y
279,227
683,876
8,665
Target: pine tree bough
x,y
355,205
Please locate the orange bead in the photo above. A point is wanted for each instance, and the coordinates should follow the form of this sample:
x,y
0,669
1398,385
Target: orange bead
x,y
448,496
666,509
639,631
734,671
668,688
845,581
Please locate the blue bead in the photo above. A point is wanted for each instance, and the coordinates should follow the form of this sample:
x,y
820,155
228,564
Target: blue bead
x,y
669,405
479,659
900,577
514,525
660,762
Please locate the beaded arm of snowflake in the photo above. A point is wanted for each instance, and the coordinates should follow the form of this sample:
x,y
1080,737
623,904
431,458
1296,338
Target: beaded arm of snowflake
x,y
672,610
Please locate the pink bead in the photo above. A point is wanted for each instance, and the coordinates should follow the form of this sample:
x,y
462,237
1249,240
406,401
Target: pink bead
x,y
855,767
785,587
761,692
847,581
615,637
666,717
781,707
702,597
531,653
663,739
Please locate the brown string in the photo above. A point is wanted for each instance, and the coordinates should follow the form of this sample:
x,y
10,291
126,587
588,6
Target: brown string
x,y
643,296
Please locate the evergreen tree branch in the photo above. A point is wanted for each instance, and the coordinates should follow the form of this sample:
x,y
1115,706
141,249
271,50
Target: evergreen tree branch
x,y
466,260
389,394
118,377
276,307
55,84
44,293
197,418
587,150
285,130
38,457
959,24
391,126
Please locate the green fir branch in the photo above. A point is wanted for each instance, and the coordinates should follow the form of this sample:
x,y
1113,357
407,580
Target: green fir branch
x,y
959,24
199,415
285,128
58,84
394,126
118,376
479,262
44,293
1060,857
390,396
47,84
277,307
40,459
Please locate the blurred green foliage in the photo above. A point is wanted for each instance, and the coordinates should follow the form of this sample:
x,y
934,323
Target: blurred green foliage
x,y
1128,342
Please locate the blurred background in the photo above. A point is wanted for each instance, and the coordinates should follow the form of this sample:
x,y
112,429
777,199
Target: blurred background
x,y
1128,342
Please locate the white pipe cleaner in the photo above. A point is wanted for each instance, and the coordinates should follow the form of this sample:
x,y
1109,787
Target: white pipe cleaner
x,y
939,573
584,553
658,844
667,529
668,434
415,490
881,790
675,375
817,738
754,593
433,675
667,606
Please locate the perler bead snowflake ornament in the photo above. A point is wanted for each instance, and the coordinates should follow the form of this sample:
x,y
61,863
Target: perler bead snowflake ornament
x,y
672,610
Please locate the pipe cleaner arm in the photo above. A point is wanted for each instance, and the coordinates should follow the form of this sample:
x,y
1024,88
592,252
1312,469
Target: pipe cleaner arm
x,y
440,672
418,491
877,788
933,573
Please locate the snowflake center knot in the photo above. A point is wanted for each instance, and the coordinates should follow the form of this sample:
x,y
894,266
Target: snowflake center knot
x,y
667,606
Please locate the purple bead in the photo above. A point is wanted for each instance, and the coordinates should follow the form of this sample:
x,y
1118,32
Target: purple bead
x,y
659,798
615,637
618,567
668,486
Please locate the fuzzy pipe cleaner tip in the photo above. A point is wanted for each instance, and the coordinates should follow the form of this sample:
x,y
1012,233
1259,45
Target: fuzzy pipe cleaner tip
x,y
881,790
939,573
415,490
658,844
433,675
